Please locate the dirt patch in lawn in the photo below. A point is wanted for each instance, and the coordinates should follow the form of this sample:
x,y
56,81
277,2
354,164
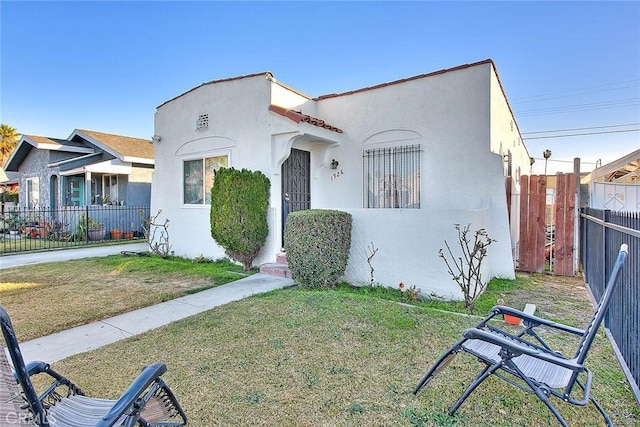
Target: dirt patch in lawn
x,y
564,299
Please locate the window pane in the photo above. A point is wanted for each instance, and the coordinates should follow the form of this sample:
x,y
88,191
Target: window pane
x,y
212,164
33,192
193,182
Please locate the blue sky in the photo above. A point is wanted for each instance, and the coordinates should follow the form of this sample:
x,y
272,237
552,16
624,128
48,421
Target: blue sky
x,y
106,66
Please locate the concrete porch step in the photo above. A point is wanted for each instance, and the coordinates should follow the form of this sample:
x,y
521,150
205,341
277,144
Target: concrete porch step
x,y
276,269
281,258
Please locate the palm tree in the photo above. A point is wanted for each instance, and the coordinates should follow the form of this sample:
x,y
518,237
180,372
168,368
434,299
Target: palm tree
x,y
8,141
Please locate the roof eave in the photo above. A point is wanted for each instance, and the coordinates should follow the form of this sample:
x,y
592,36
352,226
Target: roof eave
x,y
267,74
74,160
107,148
142,160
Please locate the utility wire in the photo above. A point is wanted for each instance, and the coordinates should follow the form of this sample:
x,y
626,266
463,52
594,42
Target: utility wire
x,y
572,129
582,134
581,107
534,98
548,98
564,161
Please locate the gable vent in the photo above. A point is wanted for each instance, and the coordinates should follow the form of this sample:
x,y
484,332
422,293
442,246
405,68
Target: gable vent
x,y
202,122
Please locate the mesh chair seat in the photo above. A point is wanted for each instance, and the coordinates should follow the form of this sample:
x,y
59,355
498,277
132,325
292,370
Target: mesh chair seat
x,y
10,397
79,411
541,371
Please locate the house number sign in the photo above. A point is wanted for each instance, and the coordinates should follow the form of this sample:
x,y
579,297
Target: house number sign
x,y
337,175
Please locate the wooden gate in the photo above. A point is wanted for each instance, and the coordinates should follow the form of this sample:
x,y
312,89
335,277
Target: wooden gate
x,y
563,240
547,245
533,193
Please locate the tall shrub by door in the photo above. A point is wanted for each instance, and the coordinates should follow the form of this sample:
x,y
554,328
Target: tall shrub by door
x,y
239,206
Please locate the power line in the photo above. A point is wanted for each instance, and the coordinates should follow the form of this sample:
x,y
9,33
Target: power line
x,y
563,161
548,98
581,107
544,96
587,128
582,134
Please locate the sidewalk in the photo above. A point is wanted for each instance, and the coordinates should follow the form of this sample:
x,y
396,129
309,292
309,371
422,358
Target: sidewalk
x,y
16,260
95,335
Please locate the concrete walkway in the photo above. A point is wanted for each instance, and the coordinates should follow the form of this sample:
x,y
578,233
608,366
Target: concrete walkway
x,y
19,259
95,335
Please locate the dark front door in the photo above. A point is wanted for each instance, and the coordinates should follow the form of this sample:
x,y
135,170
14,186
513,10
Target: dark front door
x,y
296,184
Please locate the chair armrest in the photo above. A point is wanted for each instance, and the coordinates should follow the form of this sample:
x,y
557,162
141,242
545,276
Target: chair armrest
x,y
148,375
518,349
36,367
533,321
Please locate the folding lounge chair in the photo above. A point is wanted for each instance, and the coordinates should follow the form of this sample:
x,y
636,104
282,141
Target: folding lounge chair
x,y
147,402
530,363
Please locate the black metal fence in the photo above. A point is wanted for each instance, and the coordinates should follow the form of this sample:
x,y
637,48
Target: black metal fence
x,y
23,229
602,233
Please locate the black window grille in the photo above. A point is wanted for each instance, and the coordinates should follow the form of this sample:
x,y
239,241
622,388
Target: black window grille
x,y
392,177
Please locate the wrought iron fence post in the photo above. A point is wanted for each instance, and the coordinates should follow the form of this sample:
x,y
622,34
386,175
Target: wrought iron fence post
x,y
86,224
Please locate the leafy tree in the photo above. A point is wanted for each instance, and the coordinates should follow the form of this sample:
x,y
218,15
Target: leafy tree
x,y
239,206
8,141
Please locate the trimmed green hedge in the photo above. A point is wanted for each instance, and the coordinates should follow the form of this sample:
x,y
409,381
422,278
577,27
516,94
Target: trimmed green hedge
x,y
317,243
239,206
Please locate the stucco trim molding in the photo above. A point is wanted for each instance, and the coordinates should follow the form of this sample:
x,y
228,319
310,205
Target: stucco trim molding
x,y
391,135
281,144
205,145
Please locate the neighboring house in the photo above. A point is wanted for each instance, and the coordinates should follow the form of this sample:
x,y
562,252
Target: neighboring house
x,y
616,185
8,181
408,159
87,168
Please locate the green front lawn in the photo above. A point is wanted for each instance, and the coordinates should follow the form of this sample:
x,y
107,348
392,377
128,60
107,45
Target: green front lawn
x,y
300,357
46,298
311,358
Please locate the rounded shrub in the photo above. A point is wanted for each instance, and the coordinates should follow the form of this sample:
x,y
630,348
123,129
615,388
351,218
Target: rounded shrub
x,y
317,243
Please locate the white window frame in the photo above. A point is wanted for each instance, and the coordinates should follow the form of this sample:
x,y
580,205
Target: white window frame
x,y
33,192
198,178
109,188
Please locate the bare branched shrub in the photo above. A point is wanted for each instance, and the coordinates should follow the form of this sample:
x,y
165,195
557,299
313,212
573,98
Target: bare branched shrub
x,y
465,268
373,250
157,235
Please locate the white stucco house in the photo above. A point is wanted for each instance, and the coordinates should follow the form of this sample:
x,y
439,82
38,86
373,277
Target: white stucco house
x,y
616,185
407,159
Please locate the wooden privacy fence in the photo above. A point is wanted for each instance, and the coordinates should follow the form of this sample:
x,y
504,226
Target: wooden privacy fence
x,y
543,241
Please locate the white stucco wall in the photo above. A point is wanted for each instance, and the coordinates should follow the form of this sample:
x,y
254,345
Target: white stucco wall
x,y
408,244
614,196
462,181
505,140
238,113
458,118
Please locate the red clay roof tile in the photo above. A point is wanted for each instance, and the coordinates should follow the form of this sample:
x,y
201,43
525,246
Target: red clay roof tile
x,y
381,85
298,117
